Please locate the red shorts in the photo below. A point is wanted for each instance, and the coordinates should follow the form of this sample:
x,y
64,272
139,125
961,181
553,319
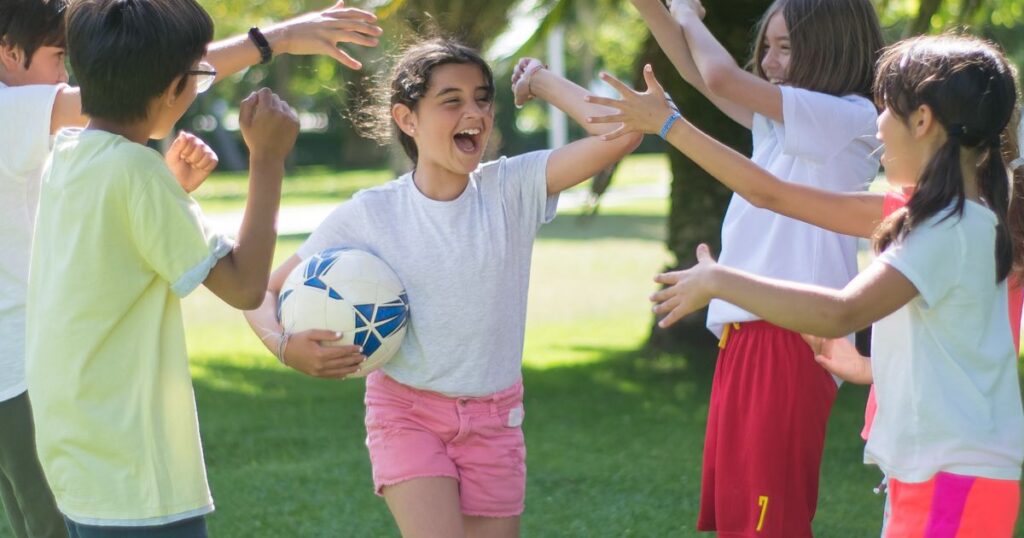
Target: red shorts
x,y
412,433
766,431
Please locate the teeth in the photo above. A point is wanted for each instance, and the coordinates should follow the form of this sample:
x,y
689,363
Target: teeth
x,y
470,132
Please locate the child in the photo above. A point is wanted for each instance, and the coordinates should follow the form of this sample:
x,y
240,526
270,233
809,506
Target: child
x,y
808,106
444,416
949,432
36,102
117,242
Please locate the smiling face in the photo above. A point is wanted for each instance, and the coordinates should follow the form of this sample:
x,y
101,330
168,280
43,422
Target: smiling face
x,y
452,123
46,67
775,62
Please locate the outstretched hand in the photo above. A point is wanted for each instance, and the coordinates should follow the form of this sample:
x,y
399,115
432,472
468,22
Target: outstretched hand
x,y
840,357
686,291
320,32
638,112
190,160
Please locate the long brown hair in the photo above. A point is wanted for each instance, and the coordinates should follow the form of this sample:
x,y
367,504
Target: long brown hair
x,y
834,43
970,88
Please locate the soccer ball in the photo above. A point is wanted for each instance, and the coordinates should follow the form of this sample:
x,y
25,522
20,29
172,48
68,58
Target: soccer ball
x,y
352,292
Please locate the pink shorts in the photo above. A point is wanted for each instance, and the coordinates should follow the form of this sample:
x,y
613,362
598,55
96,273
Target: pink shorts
x,y
952,506
412,433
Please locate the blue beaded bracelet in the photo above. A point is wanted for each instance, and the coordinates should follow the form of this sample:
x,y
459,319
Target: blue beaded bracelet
x,y
669,121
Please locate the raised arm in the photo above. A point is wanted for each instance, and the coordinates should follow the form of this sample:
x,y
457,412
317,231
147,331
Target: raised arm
x,y
873,294
572,164
723,76
853,213
669,35
318,32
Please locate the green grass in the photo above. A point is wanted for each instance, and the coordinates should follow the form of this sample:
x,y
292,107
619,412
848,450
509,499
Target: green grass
x,y
614,432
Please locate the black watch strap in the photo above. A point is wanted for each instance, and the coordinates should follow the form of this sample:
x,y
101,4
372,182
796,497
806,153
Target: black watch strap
x,y
260,40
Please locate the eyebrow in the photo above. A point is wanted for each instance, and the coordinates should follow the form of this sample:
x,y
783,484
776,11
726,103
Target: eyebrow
x,y
446,91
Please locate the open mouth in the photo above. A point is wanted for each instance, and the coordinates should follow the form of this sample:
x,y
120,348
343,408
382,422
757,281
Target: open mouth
x,y
468,140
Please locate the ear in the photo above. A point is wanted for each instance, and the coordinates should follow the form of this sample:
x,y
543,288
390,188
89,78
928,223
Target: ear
x,y
922,122
171,94
405,118
11,58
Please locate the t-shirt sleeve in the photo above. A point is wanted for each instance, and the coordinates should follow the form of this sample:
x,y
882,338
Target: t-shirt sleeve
x,y
892,202
342,228
25,113
524,181
819,125
931,257
171,234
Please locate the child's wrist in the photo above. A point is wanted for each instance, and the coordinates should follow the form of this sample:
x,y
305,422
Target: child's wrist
x,y
669,122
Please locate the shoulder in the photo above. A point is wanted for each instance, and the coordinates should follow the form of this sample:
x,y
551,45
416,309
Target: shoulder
x,y
523,163
386,193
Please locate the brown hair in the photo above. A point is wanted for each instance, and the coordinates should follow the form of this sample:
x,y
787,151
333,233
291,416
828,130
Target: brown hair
x,y
407,83
835,44
970,88
31,24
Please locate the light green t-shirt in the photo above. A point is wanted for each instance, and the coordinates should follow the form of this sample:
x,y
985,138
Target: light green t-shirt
x,y
117,242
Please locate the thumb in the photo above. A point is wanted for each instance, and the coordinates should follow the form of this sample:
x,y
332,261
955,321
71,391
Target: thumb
x,y
248,108
653,85
704,254
340,4
177,146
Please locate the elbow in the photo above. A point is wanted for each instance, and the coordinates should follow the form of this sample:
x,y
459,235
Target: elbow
x,y
250,298
840,321
719,80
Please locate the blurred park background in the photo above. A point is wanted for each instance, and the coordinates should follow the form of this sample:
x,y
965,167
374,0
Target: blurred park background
x,y
615,410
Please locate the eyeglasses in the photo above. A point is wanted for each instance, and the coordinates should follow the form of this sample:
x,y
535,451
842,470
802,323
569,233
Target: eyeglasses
x,y
205,76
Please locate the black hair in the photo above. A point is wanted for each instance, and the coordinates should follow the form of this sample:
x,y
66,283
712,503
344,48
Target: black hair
x,y
125,53
970,88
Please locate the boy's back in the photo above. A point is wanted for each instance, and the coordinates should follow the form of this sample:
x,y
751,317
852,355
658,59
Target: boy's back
x,y
117,242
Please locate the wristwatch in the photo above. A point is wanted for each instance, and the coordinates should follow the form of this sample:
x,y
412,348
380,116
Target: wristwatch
x,y
260,40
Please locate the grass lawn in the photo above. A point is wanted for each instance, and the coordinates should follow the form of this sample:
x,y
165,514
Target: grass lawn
x,y
614,432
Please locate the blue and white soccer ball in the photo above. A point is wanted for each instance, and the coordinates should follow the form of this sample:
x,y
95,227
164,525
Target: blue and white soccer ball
x,y
352,292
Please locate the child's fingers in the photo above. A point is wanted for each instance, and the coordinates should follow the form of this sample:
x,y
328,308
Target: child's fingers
x,y
319,335
329,353
343,58
247,109
350,13
652,82
669,278
704,253
675,315
606,101
611,118
619,86
617,133
661,296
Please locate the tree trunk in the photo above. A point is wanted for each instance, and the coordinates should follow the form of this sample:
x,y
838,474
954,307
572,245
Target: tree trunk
x,y
923,22
698,200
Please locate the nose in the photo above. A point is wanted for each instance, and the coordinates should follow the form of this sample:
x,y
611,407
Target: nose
x,y
62,74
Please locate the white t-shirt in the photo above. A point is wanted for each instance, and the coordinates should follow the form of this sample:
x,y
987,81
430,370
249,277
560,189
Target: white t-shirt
x,y
25,144
944,368
465,264
826,142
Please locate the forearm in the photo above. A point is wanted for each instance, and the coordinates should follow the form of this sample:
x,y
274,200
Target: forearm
x,y
669,35
243,282
713,62
855,214
798,307
263,321
568,97
231,55
573,164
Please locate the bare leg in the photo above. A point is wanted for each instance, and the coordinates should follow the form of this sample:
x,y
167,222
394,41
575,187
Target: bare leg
x,y
426,507
491,527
